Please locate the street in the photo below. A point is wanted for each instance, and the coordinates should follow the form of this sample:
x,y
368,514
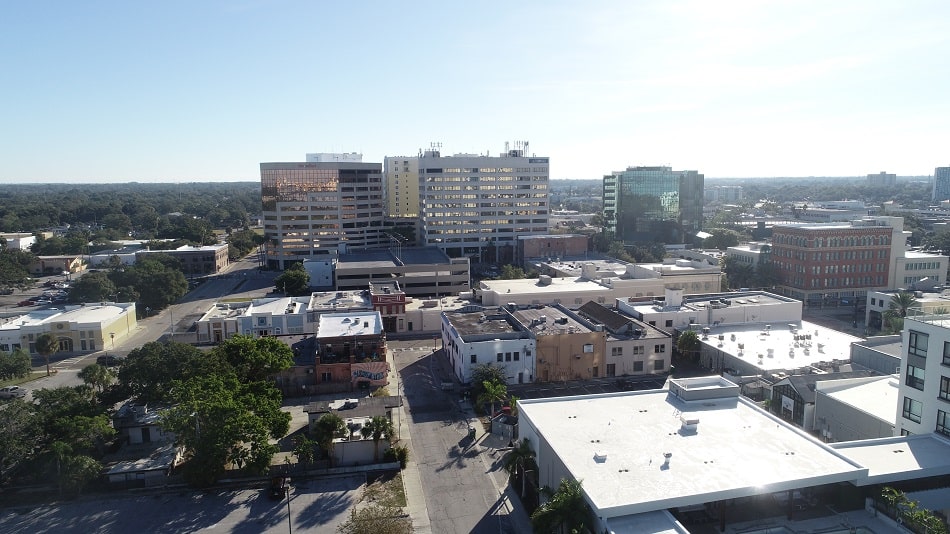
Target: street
x,y
316,506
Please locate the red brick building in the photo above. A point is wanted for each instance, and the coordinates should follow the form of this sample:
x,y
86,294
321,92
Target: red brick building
x,y
832,264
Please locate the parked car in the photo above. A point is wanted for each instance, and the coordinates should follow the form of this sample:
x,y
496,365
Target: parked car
x,y
27,302
12,392
278,487
108,360
6,291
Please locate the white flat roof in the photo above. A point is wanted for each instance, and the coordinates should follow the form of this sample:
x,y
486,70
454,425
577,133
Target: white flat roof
x,y
276,306
877,397
89,313
349,324
787,352
532,285
737,449
898,458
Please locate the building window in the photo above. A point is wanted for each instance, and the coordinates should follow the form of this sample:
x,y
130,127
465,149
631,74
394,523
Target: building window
x,y
943,423
611,369
616,351
944,388
917,344
588,347
658,365
507,356
326,377
638,350
905,432
638,367
474,360
946,352
499,356
659,349
912,409
915,377
517,355
669,323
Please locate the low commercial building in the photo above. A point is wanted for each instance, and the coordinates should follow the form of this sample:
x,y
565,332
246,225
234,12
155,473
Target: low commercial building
x,y
856,408
632,347
350,352
425,271
488,337
207,259
78,329
529,247
601,286
18,240
274,316
48,265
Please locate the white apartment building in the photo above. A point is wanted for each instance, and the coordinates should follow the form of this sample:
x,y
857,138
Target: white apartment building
x,y
479,338
320,208
477,206
924,404
402,186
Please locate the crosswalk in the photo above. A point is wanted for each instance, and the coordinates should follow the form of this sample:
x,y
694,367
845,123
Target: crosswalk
x,y
62,364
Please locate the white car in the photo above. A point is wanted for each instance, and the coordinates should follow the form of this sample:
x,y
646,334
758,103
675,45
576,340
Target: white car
x,y
12,392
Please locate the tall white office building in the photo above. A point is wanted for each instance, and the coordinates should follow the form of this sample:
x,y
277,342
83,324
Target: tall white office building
x,y
478,205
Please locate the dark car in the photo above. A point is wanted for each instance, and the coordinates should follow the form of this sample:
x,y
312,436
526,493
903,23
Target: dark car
x,y
278,487
25,303
108,360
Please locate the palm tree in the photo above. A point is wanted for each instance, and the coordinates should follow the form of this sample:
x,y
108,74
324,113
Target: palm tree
x,y
377,428
494,391
519,461
97,376
901,303
47,345
565,508
326,429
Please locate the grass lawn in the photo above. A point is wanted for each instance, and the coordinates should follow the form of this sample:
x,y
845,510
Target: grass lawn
x,y
35,375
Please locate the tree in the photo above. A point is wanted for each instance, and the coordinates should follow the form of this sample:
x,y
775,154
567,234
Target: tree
x,y
97,376
519,461
220,421
303,449
295,281
565,509
254,358
14,364
78,471
510,272
377,428
21,431
150,370
326,429
901,302
493,392
92,287
688,343
47,345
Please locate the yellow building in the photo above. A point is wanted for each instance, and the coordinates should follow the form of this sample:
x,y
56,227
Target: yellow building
x,y
79,329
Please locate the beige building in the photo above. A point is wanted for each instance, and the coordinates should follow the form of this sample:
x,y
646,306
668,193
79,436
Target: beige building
x,y
401,176
566,348
206,259
78,329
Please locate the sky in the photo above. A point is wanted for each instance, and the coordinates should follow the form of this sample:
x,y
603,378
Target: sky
x,y
202,91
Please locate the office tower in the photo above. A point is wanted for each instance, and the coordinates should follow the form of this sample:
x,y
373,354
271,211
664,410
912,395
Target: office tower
x,y
402,186
653,204
321,208
941,189
882,179
477,205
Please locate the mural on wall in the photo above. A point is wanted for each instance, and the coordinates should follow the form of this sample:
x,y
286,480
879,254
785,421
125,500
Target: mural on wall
x,y
373,372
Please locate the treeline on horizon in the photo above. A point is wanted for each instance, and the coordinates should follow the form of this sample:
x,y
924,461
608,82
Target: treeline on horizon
x,y
140,208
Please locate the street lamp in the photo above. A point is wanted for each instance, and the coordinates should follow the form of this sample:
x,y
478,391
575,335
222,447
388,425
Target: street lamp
x,y
290,529
112,335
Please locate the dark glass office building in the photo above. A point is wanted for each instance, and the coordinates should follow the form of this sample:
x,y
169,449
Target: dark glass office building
x,y
653,204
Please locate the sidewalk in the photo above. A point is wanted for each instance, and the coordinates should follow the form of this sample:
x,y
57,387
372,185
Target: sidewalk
x,y
411,480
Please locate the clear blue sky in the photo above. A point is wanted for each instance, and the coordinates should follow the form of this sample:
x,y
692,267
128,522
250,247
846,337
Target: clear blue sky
x,y
196,90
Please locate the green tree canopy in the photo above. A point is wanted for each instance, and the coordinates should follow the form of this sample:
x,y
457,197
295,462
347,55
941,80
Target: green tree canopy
x,y
565,509
377,428
150,370
21,432
254,358
493,392
326,429
221,421
97,376
295,281
16,364
92,287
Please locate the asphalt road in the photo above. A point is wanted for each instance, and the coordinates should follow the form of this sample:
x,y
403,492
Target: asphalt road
x,y
465,486
316,506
